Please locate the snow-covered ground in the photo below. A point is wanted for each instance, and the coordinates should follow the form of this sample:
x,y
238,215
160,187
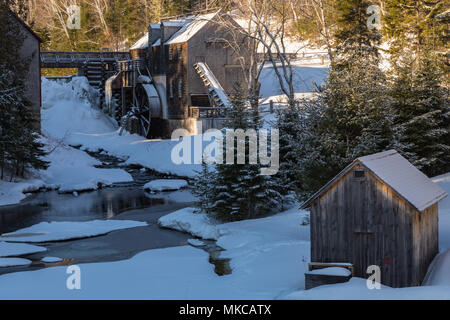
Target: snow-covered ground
x,y
65,230
14,192
74,170
166,185
8,249
14,262
261,252
186,220
306,78
269,257
67,109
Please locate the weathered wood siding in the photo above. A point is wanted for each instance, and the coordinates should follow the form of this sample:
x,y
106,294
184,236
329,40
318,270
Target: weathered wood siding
x,y
176,88
363,222
30,51
221,59
426,241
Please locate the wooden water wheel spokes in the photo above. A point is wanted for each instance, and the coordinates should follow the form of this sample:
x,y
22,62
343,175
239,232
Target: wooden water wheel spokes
x,y
142,111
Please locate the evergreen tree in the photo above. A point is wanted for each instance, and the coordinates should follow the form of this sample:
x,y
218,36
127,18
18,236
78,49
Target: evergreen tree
x,y
353,37
236,191
422,107
202,187
352,115
288,122
416,24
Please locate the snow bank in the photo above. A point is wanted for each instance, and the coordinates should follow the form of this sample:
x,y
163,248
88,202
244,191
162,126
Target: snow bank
x,y
196,224
196,242
14,192
70,170
165,185
444,212
305,78
177,273
268,256
332,271
14,262
73,170
18,249
356,289
155,154
57,231
51,259
69,107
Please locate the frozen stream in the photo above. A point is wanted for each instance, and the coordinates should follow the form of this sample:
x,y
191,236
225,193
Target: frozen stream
x,y
124,201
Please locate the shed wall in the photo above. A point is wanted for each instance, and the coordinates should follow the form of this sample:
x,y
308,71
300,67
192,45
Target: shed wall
x,y
426,243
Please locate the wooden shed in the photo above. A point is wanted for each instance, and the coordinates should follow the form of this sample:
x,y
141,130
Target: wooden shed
x,y
380,210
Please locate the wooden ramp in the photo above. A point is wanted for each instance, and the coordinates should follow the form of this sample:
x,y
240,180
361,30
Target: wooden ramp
x,y
216,92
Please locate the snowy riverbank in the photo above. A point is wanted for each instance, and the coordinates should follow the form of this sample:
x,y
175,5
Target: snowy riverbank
x,y
269,257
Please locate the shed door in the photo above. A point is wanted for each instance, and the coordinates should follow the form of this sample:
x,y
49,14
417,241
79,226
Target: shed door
x,y
364,229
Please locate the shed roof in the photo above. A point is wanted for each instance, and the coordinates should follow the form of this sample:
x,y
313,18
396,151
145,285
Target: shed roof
x,y
399,175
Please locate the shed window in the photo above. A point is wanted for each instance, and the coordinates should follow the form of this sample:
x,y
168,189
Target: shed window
x,y
171,90
358,173
179,52
170,53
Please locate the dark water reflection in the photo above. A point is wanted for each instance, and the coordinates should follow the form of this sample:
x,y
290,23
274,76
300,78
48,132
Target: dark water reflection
x,y
51,206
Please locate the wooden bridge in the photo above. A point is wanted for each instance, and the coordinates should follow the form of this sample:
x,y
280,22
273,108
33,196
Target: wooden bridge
x,y
79,59
97,67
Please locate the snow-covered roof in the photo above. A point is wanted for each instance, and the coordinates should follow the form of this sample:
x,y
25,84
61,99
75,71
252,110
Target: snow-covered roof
x,y
177,23
190,28
142,43
157,43
399,175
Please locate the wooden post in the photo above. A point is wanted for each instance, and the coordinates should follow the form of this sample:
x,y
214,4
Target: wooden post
x,y
271,106
322,59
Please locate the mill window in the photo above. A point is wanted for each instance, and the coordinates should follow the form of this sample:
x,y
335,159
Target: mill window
x,y
170,53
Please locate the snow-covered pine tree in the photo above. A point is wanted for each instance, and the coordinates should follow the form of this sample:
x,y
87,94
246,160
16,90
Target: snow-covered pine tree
x,y
202,188
237,191
288,121
351,116
20,148
417,24
422,107
353,37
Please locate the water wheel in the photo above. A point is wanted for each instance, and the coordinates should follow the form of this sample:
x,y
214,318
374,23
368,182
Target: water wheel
x,y
141,111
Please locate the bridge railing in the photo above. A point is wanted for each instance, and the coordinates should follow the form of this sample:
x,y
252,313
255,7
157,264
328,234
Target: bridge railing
x,y
68,57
